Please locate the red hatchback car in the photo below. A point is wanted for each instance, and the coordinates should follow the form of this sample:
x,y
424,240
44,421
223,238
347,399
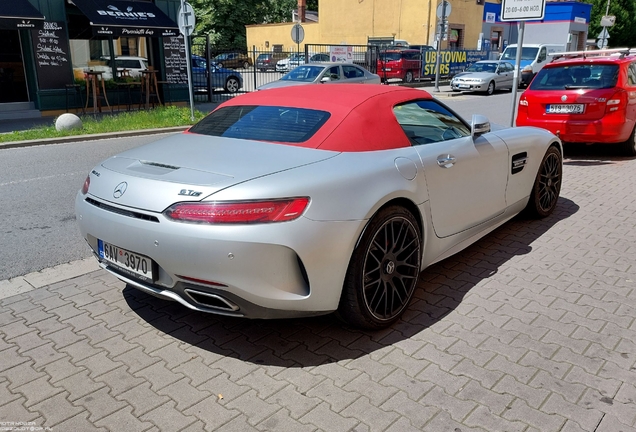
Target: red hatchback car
x,y
585,97
403,64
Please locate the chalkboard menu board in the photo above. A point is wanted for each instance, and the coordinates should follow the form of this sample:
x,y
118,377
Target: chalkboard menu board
x,y
175,60
52,57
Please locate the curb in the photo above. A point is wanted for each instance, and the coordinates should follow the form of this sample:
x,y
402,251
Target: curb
x,y
47,276
75,138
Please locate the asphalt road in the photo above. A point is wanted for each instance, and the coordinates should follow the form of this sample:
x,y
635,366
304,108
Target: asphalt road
x,y
38,187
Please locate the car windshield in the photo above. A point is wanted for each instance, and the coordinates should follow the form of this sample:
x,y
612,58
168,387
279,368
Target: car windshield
x,y
584,76
263,56
527,53
262,123
482,67
303,74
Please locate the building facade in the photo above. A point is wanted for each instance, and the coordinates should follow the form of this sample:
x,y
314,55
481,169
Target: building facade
x,y
48,45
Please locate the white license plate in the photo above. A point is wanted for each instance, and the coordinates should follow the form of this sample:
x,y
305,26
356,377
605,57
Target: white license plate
x,y
387,69
463,86
136,264
565,109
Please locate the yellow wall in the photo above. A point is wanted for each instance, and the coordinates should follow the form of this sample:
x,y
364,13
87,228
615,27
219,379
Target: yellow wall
x,y
352,21
279,34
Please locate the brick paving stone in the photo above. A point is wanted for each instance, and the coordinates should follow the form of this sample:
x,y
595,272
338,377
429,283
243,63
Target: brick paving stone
x,y
443,422
520,411
124,420
135,359
265,384
611,424
80,351
370,415
142,399
254,407
167,418
56,409
608,386
570,391
281,421
457,408
99,403
158,375
296,403
403,425
302,380
487,378
328,420
493,346
482,417
42,355
418,414
81,322
212,413
337,398
587,418
415,388
99,364
494,400
624,412
21,374
15,411
79,385
6,395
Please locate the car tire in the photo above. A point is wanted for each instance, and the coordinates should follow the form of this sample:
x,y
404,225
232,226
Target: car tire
x,y
232,85
246,65
376,270
491,88
547,185
628,147
408,78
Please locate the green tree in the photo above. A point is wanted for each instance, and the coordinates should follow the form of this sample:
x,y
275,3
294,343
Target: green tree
x,y
622,33
225,20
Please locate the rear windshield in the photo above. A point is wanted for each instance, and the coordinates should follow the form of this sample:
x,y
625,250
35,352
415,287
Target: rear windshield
x,y
391,56
262,123
584,76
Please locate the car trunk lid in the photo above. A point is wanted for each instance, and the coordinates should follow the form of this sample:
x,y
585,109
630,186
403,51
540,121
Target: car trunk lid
x,y
190,167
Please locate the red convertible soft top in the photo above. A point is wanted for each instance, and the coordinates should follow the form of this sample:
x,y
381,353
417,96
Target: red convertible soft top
x,y
361,119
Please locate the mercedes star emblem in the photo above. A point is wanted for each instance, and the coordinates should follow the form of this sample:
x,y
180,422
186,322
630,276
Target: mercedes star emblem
x,y
120,189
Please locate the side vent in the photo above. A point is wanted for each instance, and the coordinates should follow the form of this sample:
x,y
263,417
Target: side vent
x,y
518,162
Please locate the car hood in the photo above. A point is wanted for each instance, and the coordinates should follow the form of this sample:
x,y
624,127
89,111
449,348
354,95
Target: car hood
x,y
279,83
190,167
477,75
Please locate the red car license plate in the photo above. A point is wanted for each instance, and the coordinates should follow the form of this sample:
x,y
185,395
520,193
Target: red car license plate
x,y
138,265
565,109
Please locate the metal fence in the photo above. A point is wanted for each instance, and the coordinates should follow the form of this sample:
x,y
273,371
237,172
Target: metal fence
x,y
219,74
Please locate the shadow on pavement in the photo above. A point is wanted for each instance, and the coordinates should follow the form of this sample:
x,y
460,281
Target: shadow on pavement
x,y
322,340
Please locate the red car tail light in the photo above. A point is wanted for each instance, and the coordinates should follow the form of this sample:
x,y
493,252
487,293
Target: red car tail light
x,y
239,212
617,102
86,185
523,102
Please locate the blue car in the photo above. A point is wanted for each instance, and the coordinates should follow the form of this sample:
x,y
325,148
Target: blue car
x,y
226,79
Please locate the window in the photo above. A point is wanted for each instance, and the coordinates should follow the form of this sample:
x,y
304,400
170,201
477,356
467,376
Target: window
x,y
631,74
427,121
128,46
585,76
263,123
352,72
542,55
333,73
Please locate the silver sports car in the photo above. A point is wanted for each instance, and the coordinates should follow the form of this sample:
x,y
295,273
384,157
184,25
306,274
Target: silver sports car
x,y
309,200
321,73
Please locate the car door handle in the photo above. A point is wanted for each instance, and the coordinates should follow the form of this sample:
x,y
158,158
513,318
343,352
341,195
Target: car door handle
x,y
446,161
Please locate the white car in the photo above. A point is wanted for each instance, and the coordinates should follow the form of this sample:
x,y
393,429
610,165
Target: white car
x,y
294,60
133,66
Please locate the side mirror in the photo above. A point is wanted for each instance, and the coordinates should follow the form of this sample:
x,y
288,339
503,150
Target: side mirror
x,y
325,79
479,125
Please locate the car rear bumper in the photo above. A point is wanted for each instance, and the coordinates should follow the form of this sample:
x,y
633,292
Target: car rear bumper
x,y
610,129
257,271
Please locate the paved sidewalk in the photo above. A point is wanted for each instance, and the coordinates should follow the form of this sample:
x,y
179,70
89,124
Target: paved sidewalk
x,y
530,329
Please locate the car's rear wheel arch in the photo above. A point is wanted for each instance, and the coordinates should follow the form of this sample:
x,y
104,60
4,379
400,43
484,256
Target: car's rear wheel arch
x,y
384,267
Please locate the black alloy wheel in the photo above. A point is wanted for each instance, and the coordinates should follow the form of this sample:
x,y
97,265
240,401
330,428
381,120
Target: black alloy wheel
x,y
383,272
547,185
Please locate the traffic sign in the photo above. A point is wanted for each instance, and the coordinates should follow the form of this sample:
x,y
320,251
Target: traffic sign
x,y
297,33
608,21
443,11
522,10
186,19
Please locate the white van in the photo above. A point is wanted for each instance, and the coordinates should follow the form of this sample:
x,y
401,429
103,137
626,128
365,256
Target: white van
x,y
533,58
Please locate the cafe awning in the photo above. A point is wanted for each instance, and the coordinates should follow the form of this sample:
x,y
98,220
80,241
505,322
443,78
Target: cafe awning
x,y
126,18
20,14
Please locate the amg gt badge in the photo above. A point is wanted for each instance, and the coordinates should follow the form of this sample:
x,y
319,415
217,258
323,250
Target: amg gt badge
x,y
189,192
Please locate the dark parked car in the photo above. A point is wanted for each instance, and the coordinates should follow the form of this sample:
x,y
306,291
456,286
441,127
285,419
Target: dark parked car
x,y
267,61
229,80
233,60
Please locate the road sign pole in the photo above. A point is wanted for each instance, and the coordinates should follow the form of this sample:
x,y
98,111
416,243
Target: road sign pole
x,y
186,31
442,27
515,80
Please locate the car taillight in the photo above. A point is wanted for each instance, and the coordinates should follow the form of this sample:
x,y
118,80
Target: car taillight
x,y
239,212
618,101
523,102
87,184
